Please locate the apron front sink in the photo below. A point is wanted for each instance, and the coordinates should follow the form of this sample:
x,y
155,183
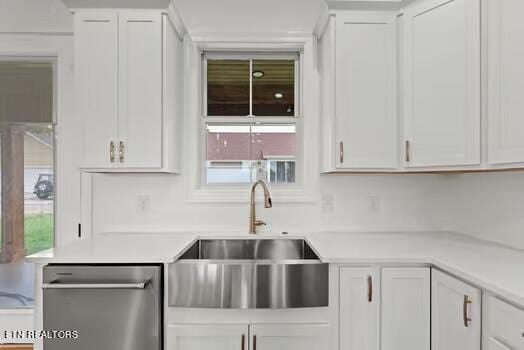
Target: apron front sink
x,y
249,274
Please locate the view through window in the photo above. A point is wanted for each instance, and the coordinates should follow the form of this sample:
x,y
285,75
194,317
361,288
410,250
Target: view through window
x,y
250,118
27,175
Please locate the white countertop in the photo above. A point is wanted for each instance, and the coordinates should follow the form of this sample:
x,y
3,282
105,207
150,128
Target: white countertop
x,y
119,248
493,267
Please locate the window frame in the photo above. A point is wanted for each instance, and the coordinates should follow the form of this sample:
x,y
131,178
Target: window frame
x,y
250,119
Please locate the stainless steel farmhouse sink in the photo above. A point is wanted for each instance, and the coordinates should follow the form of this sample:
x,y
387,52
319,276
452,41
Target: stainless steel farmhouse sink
x,y
248,274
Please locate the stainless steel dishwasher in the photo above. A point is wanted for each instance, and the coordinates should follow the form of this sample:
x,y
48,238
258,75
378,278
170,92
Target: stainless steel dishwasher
x,y
111,307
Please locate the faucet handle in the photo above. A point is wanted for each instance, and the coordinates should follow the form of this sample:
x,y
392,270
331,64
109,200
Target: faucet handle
x,y
260,223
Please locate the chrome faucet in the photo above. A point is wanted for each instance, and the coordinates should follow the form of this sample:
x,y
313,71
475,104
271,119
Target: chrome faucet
x,y
253,222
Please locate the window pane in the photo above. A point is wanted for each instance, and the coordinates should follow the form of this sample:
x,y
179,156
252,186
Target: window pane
x,y
273,87
228,153
27,180
227,87
273,150
27,176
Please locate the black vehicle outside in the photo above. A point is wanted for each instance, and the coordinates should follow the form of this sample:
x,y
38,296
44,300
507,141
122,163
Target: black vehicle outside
x,y
44,187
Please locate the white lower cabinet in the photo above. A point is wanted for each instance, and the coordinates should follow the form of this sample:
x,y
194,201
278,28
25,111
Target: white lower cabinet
x,y
289,337
406,308
455,313
209,336
244,337
359,308
505,326
401,296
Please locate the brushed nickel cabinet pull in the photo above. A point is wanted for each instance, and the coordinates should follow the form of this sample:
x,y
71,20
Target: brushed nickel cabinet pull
x,y
370,289
341,152
243,342
121,151
112,151
254,342
407,152
465,316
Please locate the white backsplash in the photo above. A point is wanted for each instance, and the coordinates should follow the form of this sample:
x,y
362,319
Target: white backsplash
x,y
489,206
342,202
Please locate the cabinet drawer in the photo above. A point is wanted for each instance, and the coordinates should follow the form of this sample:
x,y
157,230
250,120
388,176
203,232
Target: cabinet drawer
x,y
505,328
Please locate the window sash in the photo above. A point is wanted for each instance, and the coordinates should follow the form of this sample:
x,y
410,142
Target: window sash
x,y
242,120
295,56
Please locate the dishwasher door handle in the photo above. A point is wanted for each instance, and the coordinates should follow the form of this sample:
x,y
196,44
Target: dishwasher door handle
x,y
141,285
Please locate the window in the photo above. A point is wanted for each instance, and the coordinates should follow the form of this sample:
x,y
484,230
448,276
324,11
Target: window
x,y
27,175
250,118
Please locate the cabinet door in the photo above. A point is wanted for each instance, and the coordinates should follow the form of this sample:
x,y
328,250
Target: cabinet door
x,y
366,108
456,315
289,337
442,83
406,308
140,117
359,308
494,344
505,325
96,81
205,337
505,81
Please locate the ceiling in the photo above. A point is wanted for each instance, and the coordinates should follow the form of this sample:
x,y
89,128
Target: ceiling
x,y
250,16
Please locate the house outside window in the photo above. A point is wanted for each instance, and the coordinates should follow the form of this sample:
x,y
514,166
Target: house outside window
x,y
250,116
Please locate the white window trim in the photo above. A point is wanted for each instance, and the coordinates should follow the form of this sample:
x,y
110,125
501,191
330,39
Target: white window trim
x,y
195,191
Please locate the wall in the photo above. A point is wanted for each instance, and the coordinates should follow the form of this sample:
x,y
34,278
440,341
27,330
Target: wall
x,y
488,206
250,16
141,202
34,16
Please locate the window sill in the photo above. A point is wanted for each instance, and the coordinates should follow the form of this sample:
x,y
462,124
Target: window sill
x,y
237,195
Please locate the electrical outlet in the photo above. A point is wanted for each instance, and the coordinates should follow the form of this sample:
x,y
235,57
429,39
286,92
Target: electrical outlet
x,y
374,205
144,203
328,204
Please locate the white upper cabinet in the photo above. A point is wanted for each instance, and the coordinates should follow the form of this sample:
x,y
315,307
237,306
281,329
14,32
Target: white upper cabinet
x,y
441,67
505,81
455,313
359,317
96,72
140,88
406,308
365,91
128,64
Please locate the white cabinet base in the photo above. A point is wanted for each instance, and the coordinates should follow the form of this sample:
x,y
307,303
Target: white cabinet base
x,y
455,314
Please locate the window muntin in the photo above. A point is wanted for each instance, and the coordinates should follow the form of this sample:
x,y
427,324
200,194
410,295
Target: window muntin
x,y
245,143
